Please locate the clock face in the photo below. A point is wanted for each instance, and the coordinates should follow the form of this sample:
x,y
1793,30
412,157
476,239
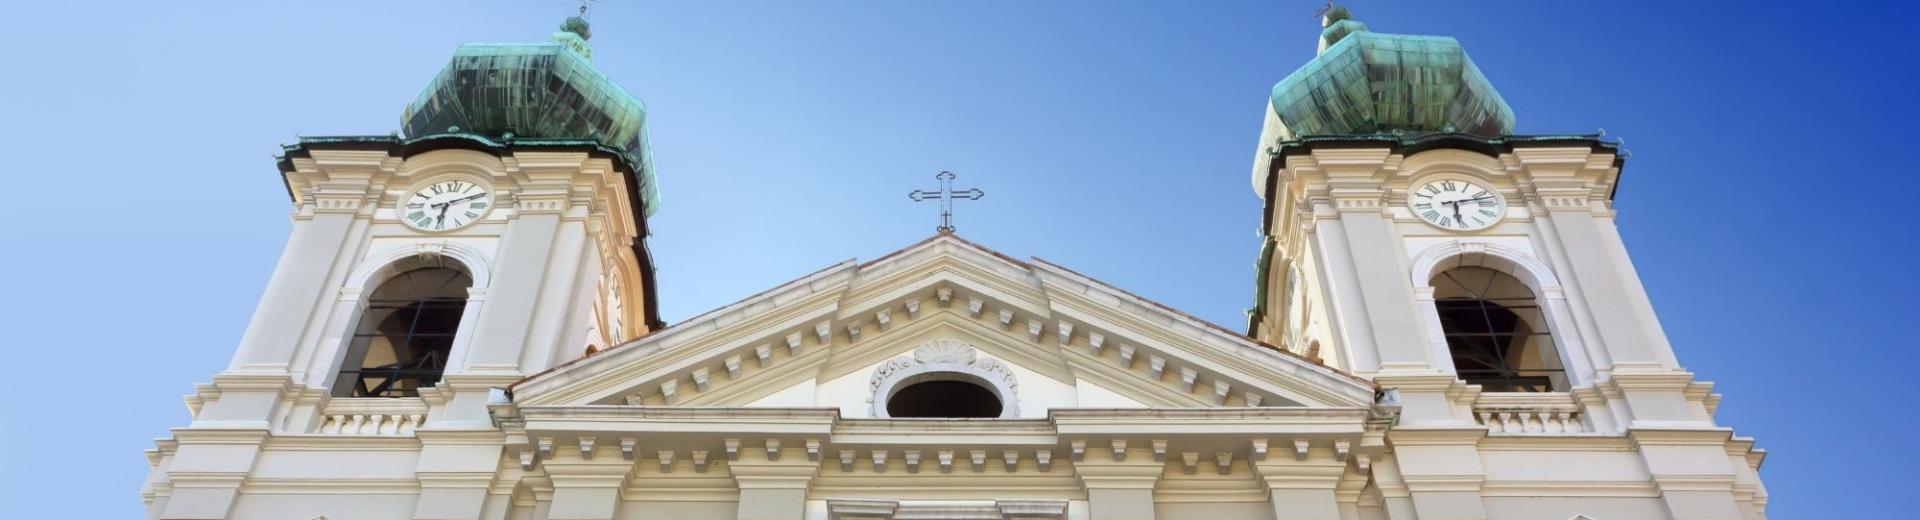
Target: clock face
x,y
445,205
1456,204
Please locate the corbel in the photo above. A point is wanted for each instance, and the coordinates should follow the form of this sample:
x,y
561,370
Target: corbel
x,y
732,448
1006,319
1259,451
586,448
1126,355
813,450
1253,399
979,459
699,461
773,449
668,389
1159,450
733,367
1300,447
974,306
1341,448
1065,331
1095,341
1223,462
1363,463
1188,376
1190,462
1078,450
764,353
912,457
913,309
883,318
544,446
1220,389
823,329
853,331
1044,459
1034,328
946,461
1119,450
846,460
526,460
700,379
627,447
879,461
943,295
636,399
1011,459
666,461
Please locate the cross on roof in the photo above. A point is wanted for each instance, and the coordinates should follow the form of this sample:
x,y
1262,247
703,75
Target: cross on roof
x,y
946,195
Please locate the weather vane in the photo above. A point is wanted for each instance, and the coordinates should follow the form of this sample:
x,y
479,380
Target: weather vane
x,y
946,196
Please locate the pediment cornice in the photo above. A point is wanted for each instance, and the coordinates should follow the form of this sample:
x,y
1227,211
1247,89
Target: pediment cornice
x,y
803,328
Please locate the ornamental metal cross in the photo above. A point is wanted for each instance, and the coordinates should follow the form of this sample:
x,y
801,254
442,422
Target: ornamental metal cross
x,y
946,195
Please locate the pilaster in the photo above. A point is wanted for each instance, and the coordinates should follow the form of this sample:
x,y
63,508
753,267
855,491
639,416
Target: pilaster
x,y
1441,470
1303,488
586,483
1119,484
208,470
773,489
456,469
1690,468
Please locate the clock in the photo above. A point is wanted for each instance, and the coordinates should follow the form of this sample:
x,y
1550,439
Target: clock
x,y
445,205
1456,204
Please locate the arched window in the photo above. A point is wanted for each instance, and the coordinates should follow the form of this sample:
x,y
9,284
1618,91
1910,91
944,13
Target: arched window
x,y
949,398
402,340
1496,332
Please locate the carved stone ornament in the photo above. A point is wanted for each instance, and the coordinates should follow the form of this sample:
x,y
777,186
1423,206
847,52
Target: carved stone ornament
x,y
943,360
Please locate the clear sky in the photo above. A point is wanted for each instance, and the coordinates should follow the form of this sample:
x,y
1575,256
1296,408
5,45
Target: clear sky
x,y
1767,203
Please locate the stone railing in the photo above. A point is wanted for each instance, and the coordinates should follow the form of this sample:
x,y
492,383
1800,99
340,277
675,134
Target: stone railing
x,y
1529,413
372,416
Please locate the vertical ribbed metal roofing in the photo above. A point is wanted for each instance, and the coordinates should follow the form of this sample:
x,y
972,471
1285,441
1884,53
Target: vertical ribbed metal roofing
x,y
1365,82
535,90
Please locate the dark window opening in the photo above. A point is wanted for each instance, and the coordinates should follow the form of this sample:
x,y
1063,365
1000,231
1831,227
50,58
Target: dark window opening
x,y
403,339
947,399
1496,332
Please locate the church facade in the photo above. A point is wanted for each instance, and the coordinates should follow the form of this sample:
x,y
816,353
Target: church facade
x,y
464,325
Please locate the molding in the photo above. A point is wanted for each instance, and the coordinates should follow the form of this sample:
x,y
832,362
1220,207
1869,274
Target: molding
x,y
938,361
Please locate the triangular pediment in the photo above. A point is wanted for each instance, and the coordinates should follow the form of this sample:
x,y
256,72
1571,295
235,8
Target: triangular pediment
x,y
832,339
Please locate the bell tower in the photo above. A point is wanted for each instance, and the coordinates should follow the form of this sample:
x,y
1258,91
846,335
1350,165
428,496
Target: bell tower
x,y
501,233
1475,275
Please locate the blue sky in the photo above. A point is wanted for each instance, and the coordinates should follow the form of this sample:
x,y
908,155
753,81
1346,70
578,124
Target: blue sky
x,y
1767,202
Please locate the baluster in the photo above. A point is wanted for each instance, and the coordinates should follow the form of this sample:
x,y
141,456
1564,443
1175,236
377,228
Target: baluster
x,y
334,423
358,420
1486,419
413,423
1553,422
1514,423
374,428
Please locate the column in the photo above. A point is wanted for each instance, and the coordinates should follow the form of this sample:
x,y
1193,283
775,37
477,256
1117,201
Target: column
x,y
1119,482
773,488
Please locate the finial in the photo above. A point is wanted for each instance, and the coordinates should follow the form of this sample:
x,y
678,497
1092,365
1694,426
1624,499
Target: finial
x,y
578,26
1333,13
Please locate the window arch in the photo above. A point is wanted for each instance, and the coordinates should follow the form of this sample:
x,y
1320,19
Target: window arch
x,y
1496,331
405,334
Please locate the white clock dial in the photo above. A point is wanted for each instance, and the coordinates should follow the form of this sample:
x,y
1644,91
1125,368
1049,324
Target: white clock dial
x,y
445,205
1456,204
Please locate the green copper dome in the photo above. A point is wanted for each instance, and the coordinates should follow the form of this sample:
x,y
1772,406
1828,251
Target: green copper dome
x,y
1365,82
544,90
